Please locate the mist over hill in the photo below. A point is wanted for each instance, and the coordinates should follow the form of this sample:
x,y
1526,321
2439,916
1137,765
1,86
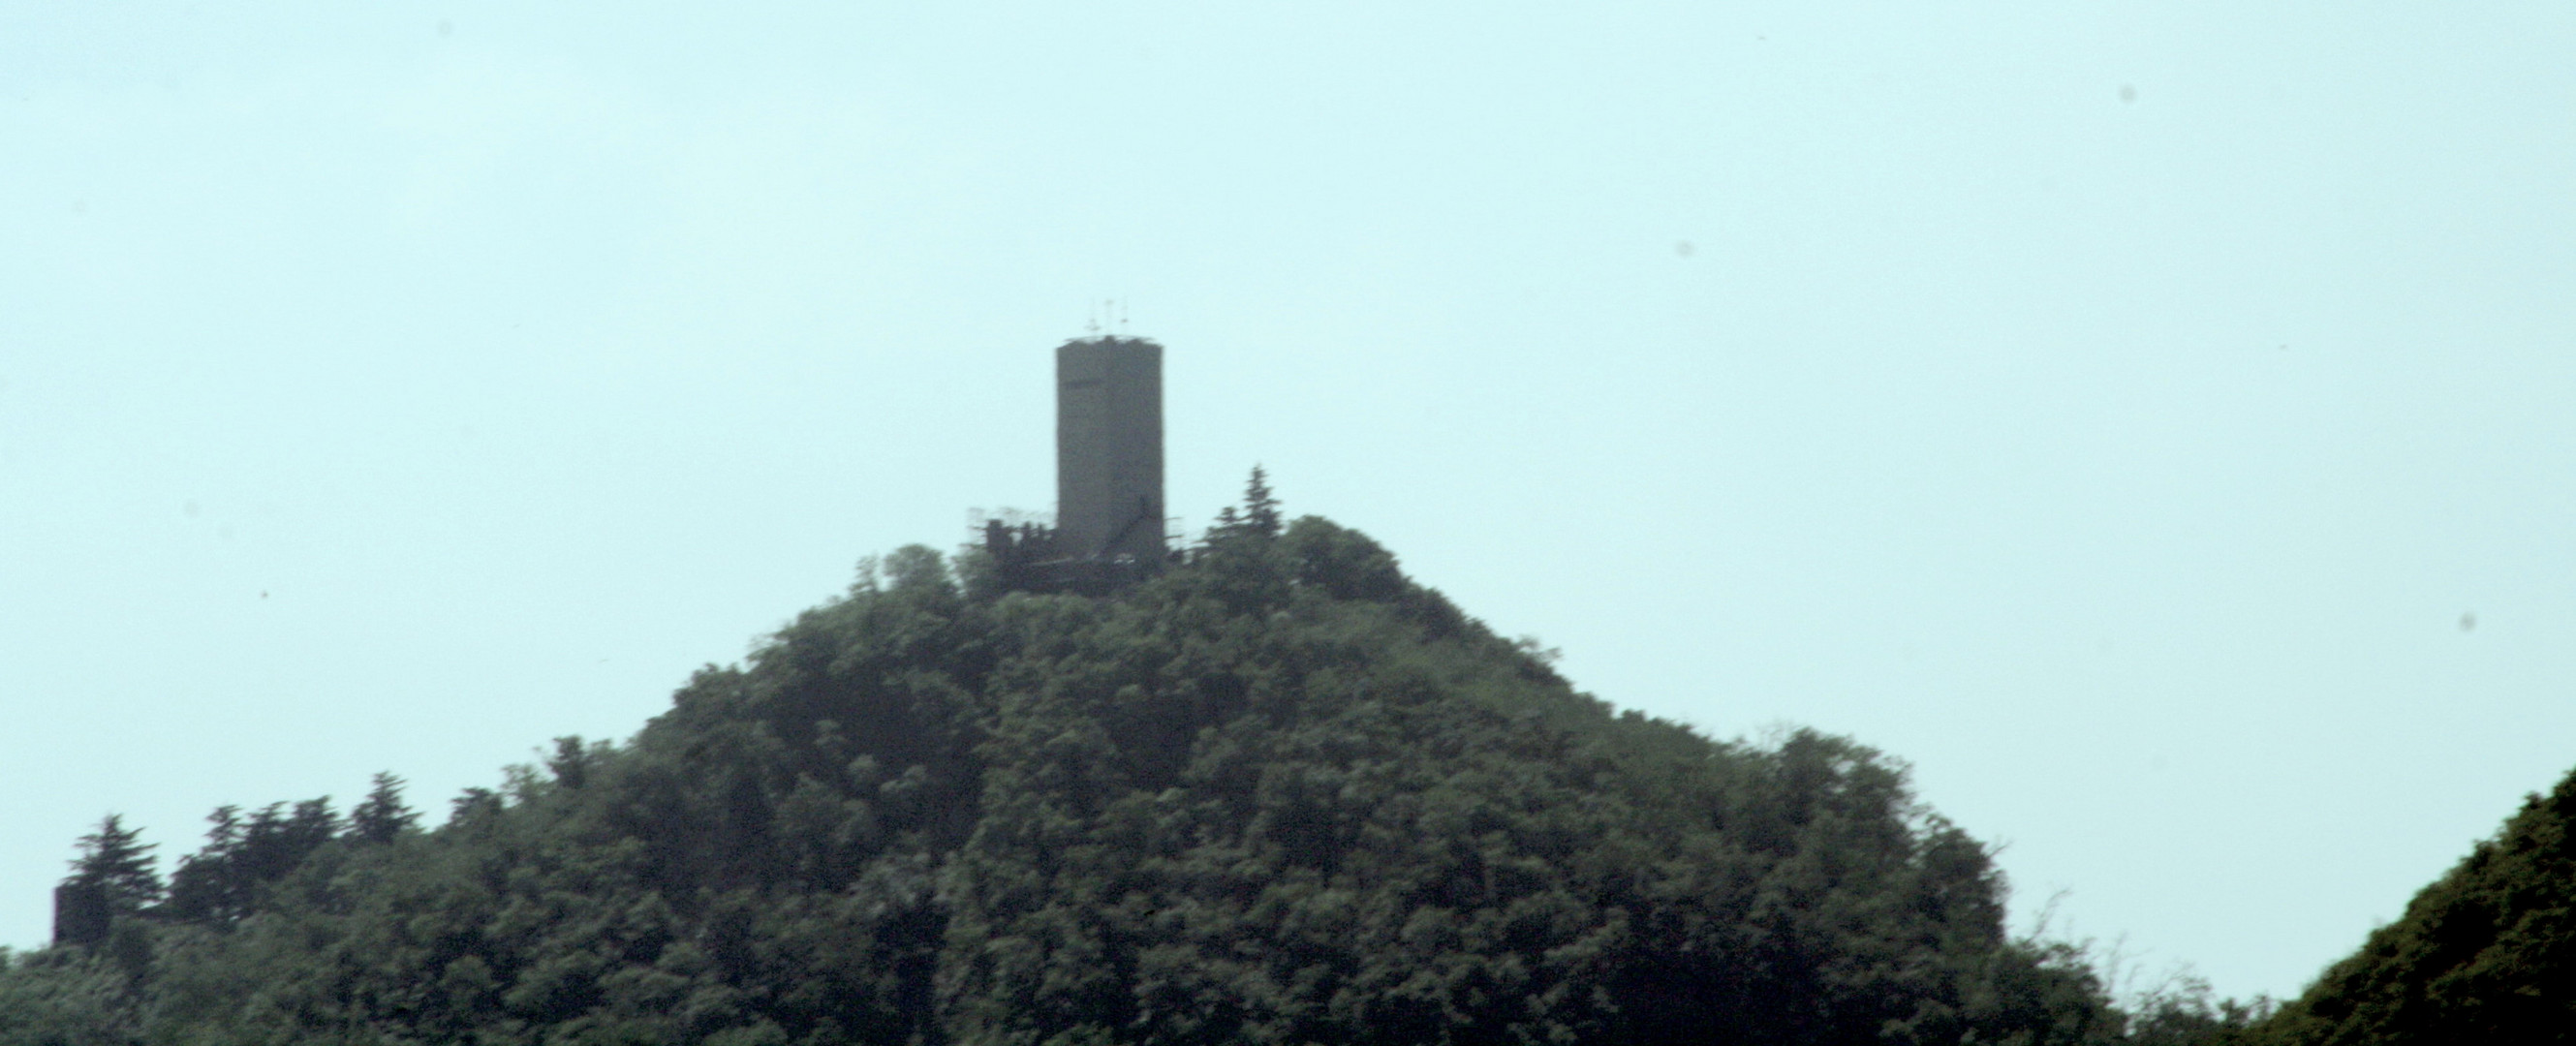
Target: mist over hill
x,y
1279,793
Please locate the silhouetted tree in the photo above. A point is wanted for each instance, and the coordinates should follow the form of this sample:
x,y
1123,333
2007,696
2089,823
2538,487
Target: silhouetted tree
x,y
1258,517
204,886
221,881
381,816
1260,509
116,862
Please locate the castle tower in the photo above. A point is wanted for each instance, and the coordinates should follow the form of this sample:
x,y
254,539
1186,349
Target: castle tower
x,y
1109,448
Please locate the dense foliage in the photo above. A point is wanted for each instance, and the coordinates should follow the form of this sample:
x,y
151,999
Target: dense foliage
x,y
1279,794
2485,954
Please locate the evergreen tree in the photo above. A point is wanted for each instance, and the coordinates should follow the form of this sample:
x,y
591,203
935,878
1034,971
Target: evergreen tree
x,y
203,887
115,861
381,816
221,881
1260,509
1257,518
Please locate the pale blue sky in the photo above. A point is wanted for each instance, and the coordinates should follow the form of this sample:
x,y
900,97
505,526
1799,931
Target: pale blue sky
x,y
2113,410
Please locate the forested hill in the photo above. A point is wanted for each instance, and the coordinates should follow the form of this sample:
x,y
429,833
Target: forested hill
x,y
1278,794
2485,954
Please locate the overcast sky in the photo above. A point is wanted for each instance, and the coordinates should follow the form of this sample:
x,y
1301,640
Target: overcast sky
x,y
2151,422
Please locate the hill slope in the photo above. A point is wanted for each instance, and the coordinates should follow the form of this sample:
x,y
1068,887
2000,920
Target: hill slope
x,y
1278,794
2485,954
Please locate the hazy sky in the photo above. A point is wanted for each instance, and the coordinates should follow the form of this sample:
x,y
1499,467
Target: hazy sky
x,y
2152,422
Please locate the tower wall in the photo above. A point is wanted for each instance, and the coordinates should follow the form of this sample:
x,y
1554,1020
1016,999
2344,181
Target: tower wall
x,y
1109,448
81,914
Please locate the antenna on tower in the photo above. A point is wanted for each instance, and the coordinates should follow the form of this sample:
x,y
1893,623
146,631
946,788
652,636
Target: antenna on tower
x,y
1091,325
1122,315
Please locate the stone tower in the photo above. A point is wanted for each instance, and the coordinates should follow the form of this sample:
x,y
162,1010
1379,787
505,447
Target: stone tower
x,y
1109,449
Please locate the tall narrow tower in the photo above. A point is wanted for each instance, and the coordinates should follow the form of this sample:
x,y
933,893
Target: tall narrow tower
x,y
1109,448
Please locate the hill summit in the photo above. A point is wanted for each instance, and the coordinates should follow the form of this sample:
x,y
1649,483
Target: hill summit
x,y
1278,793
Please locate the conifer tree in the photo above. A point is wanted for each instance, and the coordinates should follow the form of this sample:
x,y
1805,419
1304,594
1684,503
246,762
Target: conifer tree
x,y
1260,509
117,862
221,881
381,816
204,885
1259,516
